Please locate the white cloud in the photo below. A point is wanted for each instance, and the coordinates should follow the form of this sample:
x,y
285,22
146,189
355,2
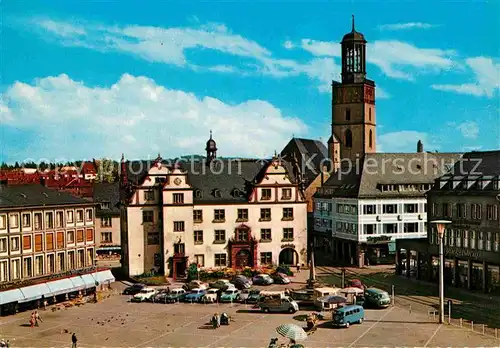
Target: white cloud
x,y
288,44
404,26
396,59
487,76
137,116
169,46
403,141
468,129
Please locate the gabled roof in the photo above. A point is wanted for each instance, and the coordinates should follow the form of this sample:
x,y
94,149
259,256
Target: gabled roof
x,y
107,192
231,180
307,151
18,196
478,163
378,169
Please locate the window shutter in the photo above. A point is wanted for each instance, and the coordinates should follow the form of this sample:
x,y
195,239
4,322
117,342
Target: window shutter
x,y
90,235
49,238
26,242
60,240
79,236
38,242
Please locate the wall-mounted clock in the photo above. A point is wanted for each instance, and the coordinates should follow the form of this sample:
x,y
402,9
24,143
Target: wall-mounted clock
x,y
177,181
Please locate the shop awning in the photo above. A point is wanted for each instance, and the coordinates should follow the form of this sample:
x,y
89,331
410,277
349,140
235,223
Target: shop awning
x,y
10,296
35,292
89,280
78,283
62,286
104,277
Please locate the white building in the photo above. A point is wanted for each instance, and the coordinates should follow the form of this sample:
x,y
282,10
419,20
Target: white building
x,y
358,214
216,213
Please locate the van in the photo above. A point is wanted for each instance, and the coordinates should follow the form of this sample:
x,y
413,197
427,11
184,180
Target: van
x,y
284,304
377,298
347,315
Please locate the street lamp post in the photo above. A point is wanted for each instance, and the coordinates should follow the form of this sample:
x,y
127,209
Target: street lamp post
x,y
440,227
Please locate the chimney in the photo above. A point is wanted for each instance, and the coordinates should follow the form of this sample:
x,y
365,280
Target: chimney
x,y
420,146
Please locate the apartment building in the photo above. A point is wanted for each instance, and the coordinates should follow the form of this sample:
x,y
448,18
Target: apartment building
x,y
469,197
106,196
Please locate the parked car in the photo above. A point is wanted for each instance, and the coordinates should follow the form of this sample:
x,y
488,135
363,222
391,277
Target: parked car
x,y
134,289
222,284
211,296
347,315
195,295
230,295
279,304
144,295
195,284
161,296
253,296
244,295
281,278
377,298
356,283
241,282
175,295
263,279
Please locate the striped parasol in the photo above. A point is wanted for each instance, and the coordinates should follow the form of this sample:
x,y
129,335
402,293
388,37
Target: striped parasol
x,y
292,332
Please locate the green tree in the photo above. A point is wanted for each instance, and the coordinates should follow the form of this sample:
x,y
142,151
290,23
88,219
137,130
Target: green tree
x,y
4,166
16,165
192,272
107,170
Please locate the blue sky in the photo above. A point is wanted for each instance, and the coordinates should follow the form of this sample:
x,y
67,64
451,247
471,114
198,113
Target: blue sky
x,y
91,79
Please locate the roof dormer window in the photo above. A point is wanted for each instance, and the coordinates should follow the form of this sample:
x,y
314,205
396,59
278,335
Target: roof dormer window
x,y
105,205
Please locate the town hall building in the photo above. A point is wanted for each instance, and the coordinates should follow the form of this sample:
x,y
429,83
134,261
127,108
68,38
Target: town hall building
x,y
213,212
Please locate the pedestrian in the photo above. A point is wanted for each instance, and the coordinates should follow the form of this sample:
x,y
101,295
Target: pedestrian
x,y
73,340
32,319
37,318
298,268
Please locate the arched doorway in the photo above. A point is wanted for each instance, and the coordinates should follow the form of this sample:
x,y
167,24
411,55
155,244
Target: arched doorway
x,y
243,258
288,256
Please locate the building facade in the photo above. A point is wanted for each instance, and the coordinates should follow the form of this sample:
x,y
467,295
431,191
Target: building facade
x,y
361,214
43,233
216,213
106,196
469,197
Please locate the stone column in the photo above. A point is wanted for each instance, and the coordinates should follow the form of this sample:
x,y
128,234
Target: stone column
x,y
408,259
417,264
469,274
360,255
456,272
398,261
485,277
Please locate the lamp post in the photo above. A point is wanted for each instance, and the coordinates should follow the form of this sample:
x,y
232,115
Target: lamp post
x,y
440,227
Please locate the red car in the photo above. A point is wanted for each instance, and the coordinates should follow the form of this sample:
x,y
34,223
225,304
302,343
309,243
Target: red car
x,y
356,283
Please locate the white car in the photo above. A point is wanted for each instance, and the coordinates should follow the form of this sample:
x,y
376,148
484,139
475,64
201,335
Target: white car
x,y
211,296
144,295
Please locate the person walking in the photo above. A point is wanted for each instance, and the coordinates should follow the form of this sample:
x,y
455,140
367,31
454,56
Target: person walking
x,y
73,340
298,268
37,318
32,320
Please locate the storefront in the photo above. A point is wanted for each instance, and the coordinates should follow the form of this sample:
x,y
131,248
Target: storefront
x,y
474,269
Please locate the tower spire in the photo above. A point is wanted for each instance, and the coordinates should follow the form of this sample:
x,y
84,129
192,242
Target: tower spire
x,y
353,28
210,134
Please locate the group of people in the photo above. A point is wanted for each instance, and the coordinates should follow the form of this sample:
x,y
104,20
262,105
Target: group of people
x,y
218,320
4,343
35,318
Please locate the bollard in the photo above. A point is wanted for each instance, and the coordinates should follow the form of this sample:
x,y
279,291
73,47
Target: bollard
x,y
461,324
434,315
483,329
496,333
392,293
410,309
472,325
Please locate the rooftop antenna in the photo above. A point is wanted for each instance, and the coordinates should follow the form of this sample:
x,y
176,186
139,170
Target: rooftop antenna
x,y
353,30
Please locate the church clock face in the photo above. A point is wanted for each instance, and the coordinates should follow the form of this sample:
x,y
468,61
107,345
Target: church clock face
x,y
177,181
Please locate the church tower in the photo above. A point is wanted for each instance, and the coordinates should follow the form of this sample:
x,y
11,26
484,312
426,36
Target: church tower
x,y
353,103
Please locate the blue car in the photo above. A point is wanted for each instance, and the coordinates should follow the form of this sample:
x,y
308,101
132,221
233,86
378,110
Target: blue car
x,y
195,295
